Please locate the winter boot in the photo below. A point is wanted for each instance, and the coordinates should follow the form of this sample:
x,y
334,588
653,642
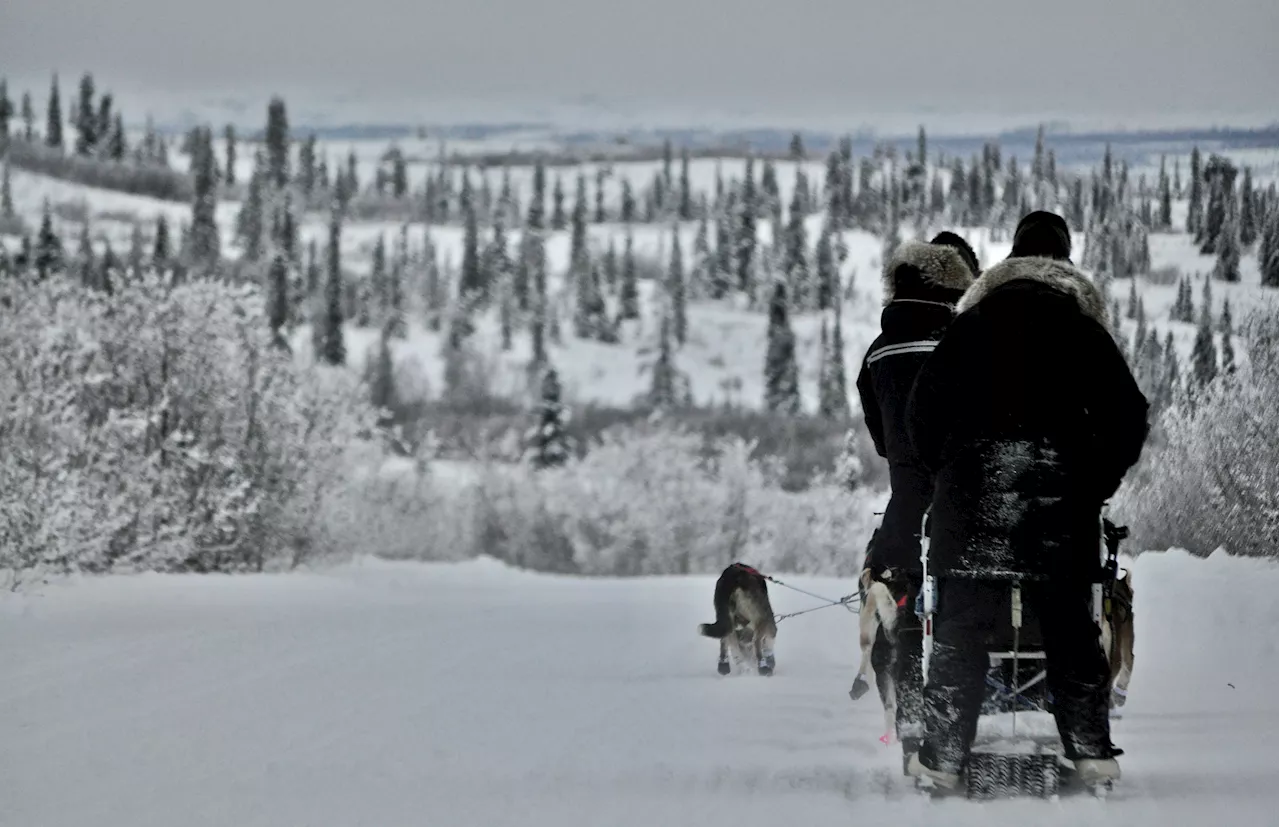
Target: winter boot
x,y
1097,770
944,780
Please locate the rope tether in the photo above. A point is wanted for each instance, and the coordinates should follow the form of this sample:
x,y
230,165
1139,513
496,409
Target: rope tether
x,y
846,601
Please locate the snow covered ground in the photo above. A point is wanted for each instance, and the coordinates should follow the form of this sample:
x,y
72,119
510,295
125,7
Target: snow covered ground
x,y
471,694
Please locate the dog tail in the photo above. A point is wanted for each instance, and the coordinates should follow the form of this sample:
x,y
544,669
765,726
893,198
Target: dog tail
x,y
724,623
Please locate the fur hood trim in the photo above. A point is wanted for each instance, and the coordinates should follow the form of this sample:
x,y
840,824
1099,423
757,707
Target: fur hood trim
x,y
1059,275
939,265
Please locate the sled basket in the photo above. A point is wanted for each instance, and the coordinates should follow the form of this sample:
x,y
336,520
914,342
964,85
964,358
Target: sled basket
x,y
993,775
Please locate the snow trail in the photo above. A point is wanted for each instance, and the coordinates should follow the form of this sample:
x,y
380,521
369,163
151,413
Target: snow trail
x,y
407,694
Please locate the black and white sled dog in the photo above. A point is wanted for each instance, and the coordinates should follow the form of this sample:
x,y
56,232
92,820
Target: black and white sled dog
x,y
879,609
744,619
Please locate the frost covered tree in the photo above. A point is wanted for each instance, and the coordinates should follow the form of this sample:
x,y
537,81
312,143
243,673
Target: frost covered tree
x,y
6,191
1248,219
1164,220
686,194
506,311
675,288
1227,267
781,372
541,306
827,273
48,250
795,264
722,269
28,118
1195,198
629,293
53,126
663,376
580,263
849,466
745,241
601,215
161,252
1220,175
1204,352
472,288
558,217
86,121
836,377
611,269
308,172
434,291
333,348
699,273
1269,245
229,137
205,242
277,141
278,299
381,375
548,442
627,209
6,112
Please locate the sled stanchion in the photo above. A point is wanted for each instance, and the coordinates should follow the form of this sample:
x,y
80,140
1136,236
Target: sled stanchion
x,y
1016,618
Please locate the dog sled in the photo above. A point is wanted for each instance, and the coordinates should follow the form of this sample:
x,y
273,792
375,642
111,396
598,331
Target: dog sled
x,y
1017,750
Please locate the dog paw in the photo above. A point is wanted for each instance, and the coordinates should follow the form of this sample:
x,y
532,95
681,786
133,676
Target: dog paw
x,y
723,667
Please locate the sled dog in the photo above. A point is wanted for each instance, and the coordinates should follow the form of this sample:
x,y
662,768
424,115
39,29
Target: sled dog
x,y
879,610
1117,636
744,619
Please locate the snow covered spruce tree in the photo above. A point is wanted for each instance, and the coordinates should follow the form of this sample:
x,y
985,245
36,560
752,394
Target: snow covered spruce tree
x,y
833,389
333,348
629,292
1227,267
547,443
53,126
675,288
206,249
781,372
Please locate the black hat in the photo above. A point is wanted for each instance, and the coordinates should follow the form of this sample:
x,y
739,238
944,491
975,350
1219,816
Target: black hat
x,y
1042,234
950,239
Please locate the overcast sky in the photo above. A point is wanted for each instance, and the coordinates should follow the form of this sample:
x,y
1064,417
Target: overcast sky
x,y
1099,57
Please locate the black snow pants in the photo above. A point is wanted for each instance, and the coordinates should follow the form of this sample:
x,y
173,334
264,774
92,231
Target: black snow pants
x,y
968,614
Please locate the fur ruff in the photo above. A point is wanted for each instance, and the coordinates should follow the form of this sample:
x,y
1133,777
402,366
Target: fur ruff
x,y
940,265
1056,274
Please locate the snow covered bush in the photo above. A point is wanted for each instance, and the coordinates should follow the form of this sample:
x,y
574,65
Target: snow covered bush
x,y
159,428
1211,480
648,501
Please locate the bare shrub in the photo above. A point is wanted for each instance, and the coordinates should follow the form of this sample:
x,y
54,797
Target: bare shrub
x,y
1211,481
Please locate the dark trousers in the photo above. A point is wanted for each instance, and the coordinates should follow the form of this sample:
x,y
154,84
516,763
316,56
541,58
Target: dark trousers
x,y
969,614
900,655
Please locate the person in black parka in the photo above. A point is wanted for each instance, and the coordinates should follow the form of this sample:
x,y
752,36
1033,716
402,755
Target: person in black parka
x,y
1030,417
922,283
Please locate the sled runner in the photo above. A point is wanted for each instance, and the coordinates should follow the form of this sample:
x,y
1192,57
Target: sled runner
x,y
1017,750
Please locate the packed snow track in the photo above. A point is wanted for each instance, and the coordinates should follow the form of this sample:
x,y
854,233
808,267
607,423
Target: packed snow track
x,y
470,694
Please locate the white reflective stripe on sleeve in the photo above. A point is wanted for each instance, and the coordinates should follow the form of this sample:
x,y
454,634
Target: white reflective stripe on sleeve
x,y
923,346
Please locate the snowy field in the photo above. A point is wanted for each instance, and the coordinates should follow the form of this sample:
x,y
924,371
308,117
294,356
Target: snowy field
x,y
471,694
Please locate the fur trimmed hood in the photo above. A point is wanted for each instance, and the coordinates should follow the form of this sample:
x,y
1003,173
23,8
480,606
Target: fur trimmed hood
x,y
1058,275
936,266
